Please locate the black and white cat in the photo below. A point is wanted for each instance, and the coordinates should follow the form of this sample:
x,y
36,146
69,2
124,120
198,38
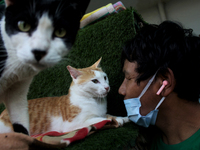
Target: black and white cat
x,y
35,34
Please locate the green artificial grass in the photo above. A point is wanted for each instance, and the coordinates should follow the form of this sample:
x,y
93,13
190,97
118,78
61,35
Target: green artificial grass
x,y
108,139
102,39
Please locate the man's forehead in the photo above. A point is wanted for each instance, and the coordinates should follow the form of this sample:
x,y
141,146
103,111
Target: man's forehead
x,y
129,67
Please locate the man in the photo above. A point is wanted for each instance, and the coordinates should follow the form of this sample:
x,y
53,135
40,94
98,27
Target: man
x,y
162,84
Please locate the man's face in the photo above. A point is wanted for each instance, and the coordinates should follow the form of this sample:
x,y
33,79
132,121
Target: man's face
x,y
130,89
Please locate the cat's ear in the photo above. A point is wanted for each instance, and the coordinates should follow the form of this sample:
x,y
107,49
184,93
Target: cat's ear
x,y
97,64
73,72
9,2
81,6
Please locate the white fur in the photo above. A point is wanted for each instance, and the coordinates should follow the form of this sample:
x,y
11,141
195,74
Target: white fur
x,y
91,99
4,129
21,66
40,39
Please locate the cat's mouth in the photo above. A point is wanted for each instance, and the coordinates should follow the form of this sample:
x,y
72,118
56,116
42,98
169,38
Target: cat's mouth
x,y
38,66
103,95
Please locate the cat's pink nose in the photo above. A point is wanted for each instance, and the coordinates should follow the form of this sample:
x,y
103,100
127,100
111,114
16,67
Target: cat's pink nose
x,y
107,88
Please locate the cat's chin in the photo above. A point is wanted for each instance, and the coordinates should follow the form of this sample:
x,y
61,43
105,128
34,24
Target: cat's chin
x,y
103,95
38,67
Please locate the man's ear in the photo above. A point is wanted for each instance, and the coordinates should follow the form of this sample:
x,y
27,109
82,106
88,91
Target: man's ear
x,y
167,83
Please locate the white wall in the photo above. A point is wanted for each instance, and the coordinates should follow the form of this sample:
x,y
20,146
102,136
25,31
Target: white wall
x,y
187,12
151,15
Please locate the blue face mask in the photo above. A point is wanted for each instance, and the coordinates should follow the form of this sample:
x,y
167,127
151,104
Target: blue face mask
x,y
133,109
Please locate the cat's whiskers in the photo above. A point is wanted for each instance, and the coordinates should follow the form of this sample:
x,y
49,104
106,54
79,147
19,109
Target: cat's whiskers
x,y
1,13
23,54
2,65
100,98
70,61
2,68
32,7
3,55
49,66
12,67
64,59
10,50
13,64
56,59
2,61
2,47
60,8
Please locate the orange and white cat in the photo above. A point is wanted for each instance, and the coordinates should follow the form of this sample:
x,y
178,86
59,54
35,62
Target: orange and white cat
x,y
84,105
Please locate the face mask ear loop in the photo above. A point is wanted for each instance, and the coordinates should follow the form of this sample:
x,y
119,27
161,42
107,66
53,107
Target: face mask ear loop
x,y
148,84
163,98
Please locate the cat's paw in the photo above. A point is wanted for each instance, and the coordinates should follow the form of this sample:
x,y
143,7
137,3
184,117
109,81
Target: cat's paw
x,y
122,120
20,128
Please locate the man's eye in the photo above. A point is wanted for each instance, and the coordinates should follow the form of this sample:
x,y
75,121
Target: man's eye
x,y
128,78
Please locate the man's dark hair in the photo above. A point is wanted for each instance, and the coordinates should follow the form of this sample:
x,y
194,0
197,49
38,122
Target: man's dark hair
x,y
168,45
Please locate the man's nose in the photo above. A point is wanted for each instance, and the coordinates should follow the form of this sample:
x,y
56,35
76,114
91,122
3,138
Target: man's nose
x,y
122,89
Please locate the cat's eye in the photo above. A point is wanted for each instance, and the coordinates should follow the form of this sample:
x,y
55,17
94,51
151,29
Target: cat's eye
x,y
105,78
95,81
23,26
60,32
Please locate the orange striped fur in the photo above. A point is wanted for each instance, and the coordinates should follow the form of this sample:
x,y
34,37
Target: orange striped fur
x,y
41,110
